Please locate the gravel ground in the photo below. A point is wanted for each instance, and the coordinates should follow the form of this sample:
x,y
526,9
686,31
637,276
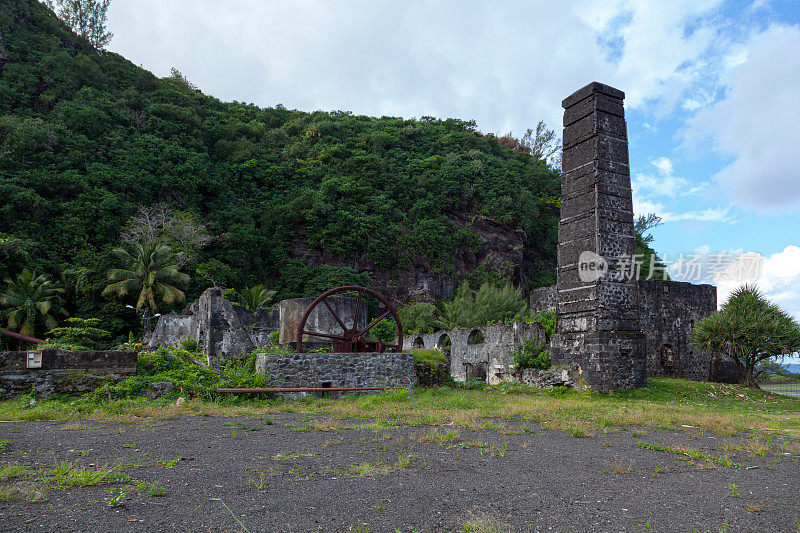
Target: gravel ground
x,y
298,474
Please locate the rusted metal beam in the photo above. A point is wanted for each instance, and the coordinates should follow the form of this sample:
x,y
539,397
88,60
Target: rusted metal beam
x,y
20,336
298,389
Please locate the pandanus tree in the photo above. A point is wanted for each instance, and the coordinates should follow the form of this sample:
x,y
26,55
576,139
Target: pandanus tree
x,y
749,328
149,272
32,301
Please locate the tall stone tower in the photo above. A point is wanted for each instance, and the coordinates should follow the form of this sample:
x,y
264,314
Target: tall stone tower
x,y
597,293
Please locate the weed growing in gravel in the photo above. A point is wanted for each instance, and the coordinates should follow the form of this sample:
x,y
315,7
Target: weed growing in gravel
x,y
258,483
73,427
288,456
404,461
688,454
152,489
4,444
367,469
577,432
485,524
26,493
133,462
755,445
656,471
493,450
241,525
621,467
734,490
12,471
116,498
317,425
86,478
170,463
84,452
440,439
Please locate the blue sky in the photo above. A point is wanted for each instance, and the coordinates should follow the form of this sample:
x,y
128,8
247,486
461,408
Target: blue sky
x,y
712,89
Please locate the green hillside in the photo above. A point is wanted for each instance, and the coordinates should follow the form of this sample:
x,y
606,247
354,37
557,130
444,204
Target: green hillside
x,y
86,138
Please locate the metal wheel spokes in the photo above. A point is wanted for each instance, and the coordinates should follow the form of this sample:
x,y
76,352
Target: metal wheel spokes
x,y
351,339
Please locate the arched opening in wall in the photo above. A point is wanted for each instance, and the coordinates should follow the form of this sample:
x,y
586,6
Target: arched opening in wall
x,y
475,337
469,370
419,343
667,352
444,345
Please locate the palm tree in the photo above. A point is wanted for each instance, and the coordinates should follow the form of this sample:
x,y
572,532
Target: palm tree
x,y
749,328
256,297
33,301
148,271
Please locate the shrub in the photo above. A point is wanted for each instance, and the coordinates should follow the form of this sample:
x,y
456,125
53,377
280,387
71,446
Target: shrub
x,y
190,345
76,334
430,366
431,356
384,331
546,319
532,355
490,304
420,317
173,365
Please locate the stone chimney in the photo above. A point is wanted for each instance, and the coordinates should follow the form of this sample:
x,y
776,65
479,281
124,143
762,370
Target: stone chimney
x,y
597,294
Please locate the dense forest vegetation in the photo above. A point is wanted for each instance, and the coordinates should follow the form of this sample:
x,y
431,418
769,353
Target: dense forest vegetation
x,y
87,139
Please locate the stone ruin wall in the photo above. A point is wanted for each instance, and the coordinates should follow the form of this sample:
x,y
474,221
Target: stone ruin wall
x,y
338,369
222,329
490,358
63,371
320,320
668,312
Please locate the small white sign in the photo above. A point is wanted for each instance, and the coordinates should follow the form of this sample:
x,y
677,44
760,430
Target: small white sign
x,y
34,360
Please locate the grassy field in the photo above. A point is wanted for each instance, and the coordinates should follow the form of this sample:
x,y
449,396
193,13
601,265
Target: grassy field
x,y
665,403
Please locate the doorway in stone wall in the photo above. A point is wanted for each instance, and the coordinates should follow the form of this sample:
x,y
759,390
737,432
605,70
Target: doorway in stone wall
x,y
476,371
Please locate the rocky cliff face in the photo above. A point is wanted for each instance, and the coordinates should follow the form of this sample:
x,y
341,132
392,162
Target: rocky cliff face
x,y
501,252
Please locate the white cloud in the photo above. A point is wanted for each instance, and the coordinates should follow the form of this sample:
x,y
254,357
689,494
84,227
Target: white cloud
x,y
710,214
779,280
506,65
757,124
665,184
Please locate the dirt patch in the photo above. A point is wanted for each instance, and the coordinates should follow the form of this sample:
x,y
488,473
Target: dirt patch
x,y
292,472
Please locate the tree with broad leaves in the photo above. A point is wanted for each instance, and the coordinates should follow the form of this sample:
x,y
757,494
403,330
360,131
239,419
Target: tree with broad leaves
x,y
32,302
148,271
87,18
749,328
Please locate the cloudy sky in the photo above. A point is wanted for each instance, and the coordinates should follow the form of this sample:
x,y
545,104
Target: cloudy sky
x,y
711,89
